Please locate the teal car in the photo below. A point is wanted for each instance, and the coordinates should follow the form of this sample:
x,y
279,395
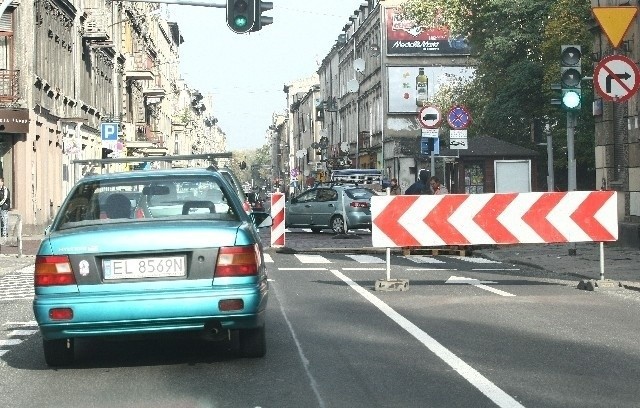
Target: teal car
x,y
150,252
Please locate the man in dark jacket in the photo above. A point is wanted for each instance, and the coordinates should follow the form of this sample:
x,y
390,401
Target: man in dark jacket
x,y
421,186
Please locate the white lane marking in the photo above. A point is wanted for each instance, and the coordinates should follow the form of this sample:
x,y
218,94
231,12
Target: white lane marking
x,y
27,323
10,342
308,259
3,352
478,284
302,269
367,259
364,269
15,333
305,362
483,384
268,258
494,290
472,259
430,269
422,259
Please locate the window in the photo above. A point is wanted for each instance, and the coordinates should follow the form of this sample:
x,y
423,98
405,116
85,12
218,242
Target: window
x,y
473,178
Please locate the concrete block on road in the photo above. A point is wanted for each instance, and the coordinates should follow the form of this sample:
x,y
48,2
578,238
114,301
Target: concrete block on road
x,y
596,285
392,285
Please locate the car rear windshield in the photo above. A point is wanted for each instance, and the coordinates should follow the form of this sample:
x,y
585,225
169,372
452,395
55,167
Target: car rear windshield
x,y
143,199
359,193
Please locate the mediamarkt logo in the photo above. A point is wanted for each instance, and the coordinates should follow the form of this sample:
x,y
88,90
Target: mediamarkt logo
x,y
416,44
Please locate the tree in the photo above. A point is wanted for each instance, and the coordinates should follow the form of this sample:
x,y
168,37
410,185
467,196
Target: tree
x,y
516,47
258,165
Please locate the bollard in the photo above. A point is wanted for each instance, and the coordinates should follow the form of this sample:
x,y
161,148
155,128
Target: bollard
x,y
277,213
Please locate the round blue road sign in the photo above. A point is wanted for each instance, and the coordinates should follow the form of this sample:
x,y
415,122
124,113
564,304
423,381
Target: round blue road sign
x,y
459,117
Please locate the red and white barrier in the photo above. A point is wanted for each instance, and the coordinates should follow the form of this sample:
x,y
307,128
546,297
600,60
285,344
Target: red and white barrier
x,y
277,213
511,218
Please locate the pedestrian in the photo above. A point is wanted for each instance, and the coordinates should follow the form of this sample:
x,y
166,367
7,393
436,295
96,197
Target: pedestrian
x,y
5,205
394,188
436,187
421,186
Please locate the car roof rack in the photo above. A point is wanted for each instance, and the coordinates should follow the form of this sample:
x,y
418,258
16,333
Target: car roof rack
x,y
205,156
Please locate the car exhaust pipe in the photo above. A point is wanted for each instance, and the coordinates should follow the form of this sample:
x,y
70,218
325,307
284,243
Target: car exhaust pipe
x,y
213,331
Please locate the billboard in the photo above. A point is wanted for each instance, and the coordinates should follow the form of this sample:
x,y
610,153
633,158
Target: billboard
x,y
406,85
406,37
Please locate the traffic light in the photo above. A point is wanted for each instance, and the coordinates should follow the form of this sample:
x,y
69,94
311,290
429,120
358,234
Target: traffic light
x,y
241,15
571,77
260,20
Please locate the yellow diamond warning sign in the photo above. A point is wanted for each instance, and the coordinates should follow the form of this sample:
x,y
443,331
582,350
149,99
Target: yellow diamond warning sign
x,y
615,21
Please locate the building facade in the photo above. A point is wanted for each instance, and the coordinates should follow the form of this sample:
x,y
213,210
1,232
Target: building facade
x,y
617,144
368,97
70,67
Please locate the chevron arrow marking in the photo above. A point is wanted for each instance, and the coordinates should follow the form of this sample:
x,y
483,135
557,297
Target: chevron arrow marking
x,y
473,219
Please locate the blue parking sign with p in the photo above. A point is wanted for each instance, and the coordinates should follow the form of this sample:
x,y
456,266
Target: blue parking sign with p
x,y
109,131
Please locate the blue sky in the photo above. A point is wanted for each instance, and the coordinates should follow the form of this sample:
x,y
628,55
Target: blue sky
x,y
247,73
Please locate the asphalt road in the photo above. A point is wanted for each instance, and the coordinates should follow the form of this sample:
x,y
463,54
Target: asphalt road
x,y
466,334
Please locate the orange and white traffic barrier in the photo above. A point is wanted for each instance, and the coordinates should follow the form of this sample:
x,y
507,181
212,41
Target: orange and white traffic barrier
x,y
277,213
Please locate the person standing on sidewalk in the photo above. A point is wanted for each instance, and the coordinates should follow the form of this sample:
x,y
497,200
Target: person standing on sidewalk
x,y
394,189
421,186
436,187
5,205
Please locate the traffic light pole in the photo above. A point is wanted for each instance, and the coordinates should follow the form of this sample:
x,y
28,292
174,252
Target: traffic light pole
x,y
571,164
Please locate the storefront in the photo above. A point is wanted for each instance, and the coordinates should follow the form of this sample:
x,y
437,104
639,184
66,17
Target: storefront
x,y
13,124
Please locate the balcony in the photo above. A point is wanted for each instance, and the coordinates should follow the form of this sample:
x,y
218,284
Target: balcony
x,y
9,85
94,26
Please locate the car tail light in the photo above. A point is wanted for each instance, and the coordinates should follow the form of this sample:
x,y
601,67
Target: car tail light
x,y
61,313
238,261
360,204
53,270
229,305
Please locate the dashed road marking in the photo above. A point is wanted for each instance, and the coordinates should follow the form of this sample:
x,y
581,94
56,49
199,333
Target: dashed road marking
x,y
309,259
367,259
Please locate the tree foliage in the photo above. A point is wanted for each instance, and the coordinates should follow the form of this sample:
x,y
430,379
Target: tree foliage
x,y
516,48
258,161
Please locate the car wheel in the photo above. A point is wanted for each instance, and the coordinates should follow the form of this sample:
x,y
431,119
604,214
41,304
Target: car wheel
x,y
58,352
253,342
316,230
337,224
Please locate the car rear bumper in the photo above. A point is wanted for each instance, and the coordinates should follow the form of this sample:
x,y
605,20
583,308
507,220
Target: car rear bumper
x,y
359,220
100,315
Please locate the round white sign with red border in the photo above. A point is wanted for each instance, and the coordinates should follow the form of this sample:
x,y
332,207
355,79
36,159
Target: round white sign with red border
x,y
616,78
429,117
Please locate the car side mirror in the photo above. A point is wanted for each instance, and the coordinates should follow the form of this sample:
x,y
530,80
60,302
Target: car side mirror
x,y
262,219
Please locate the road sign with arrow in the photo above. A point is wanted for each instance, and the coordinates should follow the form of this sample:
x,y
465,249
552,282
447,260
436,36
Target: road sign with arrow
x,y
616,78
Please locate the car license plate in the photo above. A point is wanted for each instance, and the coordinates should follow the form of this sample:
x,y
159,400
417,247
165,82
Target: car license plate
x,y
137,268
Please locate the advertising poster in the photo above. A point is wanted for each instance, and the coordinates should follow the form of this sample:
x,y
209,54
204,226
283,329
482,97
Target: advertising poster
x,y
409,90
405,37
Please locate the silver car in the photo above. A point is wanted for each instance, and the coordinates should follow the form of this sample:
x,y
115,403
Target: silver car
x,y
324,207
